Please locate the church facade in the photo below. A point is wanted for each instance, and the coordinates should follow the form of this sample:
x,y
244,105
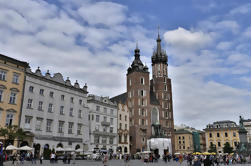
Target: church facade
x,y
149,101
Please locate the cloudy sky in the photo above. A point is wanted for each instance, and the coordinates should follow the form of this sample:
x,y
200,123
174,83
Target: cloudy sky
x,y
208,44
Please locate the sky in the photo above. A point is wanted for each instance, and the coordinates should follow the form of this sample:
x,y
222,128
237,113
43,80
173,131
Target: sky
x,y
207,41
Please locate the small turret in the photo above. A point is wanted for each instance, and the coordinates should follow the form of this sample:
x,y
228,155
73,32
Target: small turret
x,y
68,82
38,71
76,85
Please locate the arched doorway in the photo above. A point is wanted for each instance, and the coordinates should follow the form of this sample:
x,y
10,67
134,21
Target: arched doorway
x,y
24,143
60,145
47,151
77,147
125,150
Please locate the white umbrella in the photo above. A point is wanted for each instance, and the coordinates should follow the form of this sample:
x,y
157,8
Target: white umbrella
x,y
25,148
68,149
79,150
11,147
59,149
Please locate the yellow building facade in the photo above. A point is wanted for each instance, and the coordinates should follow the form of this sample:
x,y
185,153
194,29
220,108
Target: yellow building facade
x,y
221,132
183,141
12,79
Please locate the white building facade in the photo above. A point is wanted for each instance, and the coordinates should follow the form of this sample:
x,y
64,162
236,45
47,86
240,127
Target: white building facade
x,y
55,112
102,124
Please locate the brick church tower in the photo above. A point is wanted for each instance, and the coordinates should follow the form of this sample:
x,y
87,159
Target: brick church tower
x,y
149,101
161,86
138,101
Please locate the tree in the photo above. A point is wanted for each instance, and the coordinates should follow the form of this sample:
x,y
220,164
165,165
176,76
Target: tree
x,y
10,133
227,148
212,148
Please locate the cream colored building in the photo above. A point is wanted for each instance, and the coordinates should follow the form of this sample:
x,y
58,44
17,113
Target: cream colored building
x,y
183,141
123,129
12,76
221,132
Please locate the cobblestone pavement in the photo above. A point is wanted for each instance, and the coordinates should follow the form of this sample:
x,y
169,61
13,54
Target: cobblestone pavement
x,y
110,163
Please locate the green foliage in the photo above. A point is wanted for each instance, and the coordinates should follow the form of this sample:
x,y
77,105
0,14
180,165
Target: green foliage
x,y
227,148
212,148
12,133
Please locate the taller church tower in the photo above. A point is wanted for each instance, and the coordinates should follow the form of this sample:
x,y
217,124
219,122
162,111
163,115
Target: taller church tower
x,y
161,86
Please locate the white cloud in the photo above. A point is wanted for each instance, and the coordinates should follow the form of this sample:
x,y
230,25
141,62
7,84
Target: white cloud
x,y
224,45
106,13
247,32
243,9
220,26
185,39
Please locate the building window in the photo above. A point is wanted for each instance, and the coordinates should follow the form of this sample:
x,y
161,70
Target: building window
x,y
97,118
40,105
51,94
71,112
13,98
165,88
120,116
110,140
111,111
125,118
61,126
79,129
50,107
120,139
97,108
70,127
219,144
226,135
62,97
125,126
79,113
3,75
111,121
120,126
235,144
41,92
39,124
72,100
165,79
183,137
15,78
27,121
31,88
125,138
142,81
218,134
48,125
179,137
234,134
96,139
210,135
142,121
105,119
105,110
111,129
130,82
61,111
9,120
29,104
184,147
1,95
80,102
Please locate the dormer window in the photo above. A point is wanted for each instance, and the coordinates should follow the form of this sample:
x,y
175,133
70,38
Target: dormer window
x,y
51,94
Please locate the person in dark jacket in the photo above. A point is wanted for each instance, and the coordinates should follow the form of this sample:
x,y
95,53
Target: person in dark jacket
x,y
207,162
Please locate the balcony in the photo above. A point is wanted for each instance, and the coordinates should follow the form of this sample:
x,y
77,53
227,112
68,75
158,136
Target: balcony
x,y
105,123
104,133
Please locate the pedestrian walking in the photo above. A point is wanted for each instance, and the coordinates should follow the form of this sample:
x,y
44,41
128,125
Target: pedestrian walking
x,y
41,159
1,154
105,160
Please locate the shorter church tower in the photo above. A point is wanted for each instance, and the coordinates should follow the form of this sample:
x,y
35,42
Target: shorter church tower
x,y
138,101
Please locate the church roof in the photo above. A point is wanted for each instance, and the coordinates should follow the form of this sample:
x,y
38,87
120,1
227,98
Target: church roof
x,y
159,55
137,65
120,98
